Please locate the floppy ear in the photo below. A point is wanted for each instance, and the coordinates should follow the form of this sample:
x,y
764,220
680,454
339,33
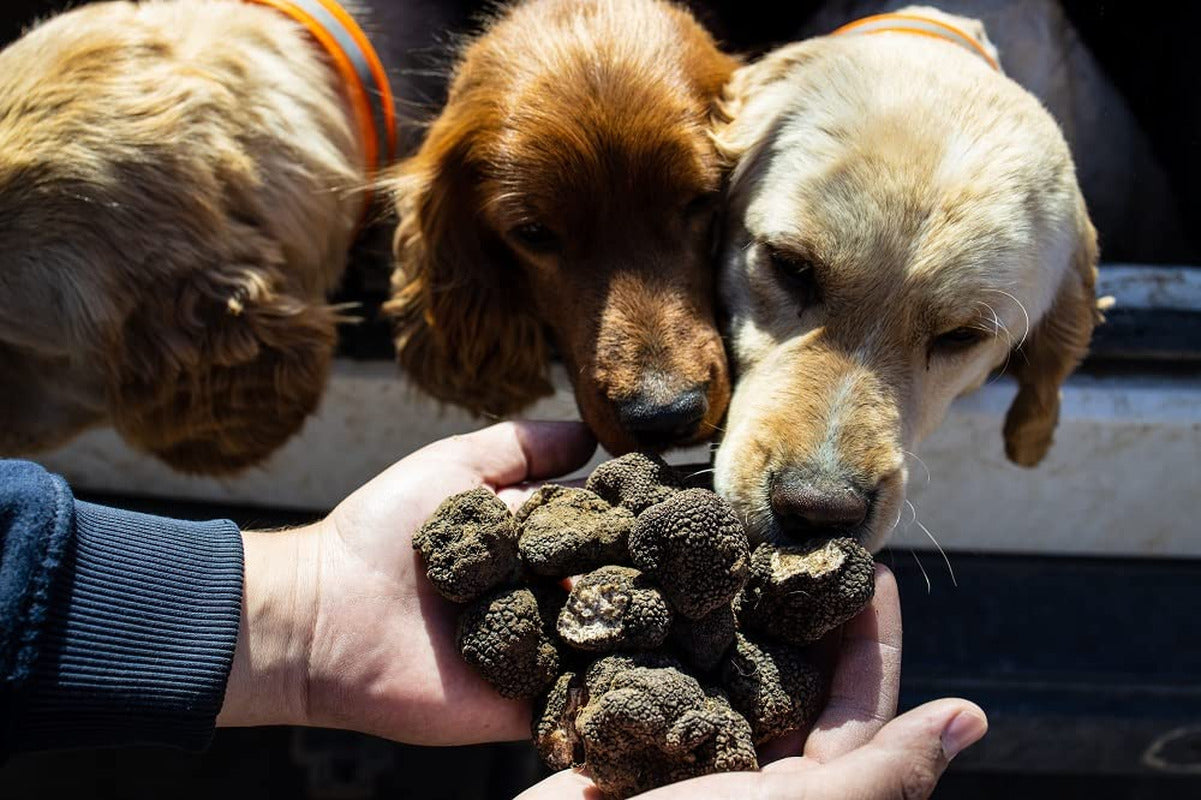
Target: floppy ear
x,y
214,375
1051,352
464,329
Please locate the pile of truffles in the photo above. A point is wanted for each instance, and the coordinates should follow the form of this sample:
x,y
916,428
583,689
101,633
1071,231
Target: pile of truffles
x,y
676,651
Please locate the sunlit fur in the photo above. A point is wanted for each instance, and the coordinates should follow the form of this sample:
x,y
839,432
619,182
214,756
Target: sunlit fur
x,y
591,118
927,193
179,185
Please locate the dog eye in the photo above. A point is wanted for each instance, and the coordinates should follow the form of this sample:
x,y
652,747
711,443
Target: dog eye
x,y
958,340
536,237
797,275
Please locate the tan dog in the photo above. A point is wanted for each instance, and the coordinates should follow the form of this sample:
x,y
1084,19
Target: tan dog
x,y
564,198
903,219
179,185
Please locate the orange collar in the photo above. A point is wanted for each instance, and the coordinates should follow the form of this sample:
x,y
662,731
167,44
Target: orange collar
x,y
363,75
919,26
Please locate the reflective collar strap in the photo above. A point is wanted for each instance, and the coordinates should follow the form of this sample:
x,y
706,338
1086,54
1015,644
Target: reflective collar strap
x,y
363,74
920,26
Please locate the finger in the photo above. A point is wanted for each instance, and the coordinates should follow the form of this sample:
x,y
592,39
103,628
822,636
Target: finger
x,y
513,452
904,760
867,676
566,785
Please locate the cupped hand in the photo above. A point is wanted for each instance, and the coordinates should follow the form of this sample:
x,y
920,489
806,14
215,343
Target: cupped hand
x,y
341,629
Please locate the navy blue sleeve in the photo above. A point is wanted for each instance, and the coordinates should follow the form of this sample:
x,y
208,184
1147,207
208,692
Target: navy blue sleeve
x,y
116,628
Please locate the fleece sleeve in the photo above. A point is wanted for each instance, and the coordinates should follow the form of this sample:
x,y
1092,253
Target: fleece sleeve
x,y
116,628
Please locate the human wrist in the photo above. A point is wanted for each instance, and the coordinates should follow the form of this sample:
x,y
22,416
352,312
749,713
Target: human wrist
x,y
268,683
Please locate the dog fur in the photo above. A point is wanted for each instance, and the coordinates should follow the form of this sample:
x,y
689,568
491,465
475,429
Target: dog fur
x,y
589,119
902,221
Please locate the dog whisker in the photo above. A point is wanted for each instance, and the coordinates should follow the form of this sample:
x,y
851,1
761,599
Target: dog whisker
x,y
919,460
929,587
1025,313
946,560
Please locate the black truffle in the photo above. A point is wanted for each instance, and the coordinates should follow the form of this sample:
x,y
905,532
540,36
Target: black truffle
x,y
469,545
773,686
797,594
554,723
567,531
614,608
506,636
693,545
652,727
702,642
636,481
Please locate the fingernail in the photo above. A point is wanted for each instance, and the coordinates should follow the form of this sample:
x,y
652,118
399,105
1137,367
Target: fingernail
x,y
964,730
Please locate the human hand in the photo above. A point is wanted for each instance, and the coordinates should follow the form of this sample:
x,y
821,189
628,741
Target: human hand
x,y
852,750
340,627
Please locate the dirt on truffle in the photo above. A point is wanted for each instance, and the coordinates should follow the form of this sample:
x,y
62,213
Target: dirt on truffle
x,y
797,594
772,685
566,531
507,637
469,545
636,481
695,548
614,608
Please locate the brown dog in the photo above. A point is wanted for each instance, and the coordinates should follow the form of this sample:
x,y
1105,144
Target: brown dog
x,y
179,185
903,219
568,189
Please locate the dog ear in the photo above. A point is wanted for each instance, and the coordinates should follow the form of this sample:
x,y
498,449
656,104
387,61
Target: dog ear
x,y
464,330
216,374
1051,352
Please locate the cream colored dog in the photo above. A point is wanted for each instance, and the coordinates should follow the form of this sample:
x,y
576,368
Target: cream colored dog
x,y
903,219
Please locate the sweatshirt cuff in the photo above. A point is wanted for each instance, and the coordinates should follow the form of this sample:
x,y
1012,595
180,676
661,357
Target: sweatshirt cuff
x,y
138,642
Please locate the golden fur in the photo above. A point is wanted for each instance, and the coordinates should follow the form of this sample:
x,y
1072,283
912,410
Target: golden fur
x,y
590,119
179,186
902,220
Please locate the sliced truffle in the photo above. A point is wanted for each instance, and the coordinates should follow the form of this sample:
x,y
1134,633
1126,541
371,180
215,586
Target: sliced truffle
x,y
614,608
554,723
797,594
569,531
469,545
695,548
636,481
506,636
658,726
702,642
773,686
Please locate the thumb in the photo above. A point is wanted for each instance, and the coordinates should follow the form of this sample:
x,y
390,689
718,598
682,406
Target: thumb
x,y
904,760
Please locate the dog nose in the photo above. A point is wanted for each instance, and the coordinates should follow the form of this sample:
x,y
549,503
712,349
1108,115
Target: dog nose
x,y
656,423
806,506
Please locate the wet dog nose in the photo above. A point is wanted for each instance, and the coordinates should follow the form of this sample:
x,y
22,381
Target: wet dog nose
x,y
807,506
656,423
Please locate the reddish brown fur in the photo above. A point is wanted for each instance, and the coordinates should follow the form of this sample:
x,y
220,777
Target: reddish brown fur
x,y
590,118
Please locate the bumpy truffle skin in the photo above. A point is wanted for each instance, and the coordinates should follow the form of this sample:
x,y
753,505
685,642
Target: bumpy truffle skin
x,y
469,545
657,726
599,676
636,481
506,637
702,642
695,548
797,594
772,685
568,531
614,608
554,723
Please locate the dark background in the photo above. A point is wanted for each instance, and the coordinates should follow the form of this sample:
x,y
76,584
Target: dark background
x,y
1085,667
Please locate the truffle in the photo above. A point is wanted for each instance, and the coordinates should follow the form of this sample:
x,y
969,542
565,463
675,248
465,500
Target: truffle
x,y
469,545
636,481
554,723
702,642
506,636
772,685
693,545
567,531
798,593
599,675
658,726
614,608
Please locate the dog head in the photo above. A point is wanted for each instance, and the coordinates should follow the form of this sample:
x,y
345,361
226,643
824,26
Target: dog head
x,y
902,221
568,187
